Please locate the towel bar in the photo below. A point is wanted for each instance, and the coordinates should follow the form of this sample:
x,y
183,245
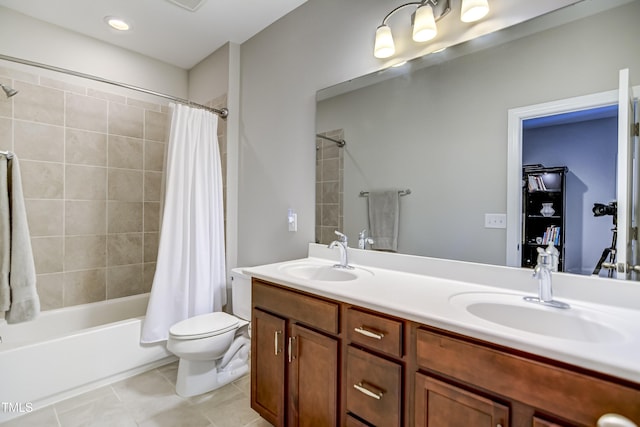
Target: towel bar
x,y
400,192
7,154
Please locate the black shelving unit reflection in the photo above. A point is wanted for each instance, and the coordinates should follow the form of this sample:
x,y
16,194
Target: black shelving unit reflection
x,y
542,185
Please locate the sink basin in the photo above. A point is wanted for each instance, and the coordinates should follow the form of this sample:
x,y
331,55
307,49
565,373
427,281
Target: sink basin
x,y
510,310
321,272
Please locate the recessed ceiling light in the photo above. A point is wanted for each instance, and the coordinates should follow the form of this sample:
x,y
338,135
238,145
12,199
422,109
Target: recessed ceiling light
x,y
117,23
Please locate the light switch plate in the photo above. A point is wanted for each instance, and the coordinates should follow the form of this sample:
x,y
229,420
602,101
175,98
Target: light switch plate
x,y
494,220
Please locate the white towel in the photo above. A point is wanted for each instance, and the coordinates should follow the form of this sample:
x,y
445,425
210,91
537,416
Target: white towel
x,y
25,303
384,213
5,237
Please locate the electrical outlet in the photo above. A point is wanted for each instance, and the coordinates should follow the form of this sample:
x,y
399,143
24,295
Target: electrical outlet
x,y
493,220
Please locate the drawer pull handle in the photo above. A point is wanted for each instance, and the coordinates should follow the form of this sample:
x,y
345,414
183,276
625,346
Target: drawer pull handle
x,y
368,333
276,347
362,389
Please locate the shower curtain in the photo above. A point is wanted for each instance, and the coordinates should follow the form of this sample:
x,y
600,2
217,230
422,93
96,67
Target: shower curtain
x,y
190,270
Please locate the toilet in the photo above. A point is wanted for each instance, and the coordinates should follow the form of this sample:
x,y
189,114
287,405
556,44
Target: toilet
x,y
214,348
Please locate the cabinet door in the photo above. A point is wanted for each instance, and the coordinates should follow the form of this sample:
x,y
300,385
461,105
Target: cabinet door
x,y
313,378
268,367
439,404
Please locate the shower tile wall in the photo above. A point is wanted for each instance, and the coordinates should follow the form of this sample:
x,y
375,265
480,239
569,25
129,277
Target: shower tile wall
x,y
91,166
329,187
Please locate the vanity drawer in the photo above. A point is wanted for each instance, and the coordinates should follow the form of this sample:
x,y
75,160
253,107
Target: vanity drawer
x,y
375,332
374,388
556,389
315,312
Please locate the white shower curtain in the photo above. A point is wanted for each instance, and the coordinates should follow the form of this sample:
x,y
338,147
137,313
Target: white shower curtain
x,y
190,271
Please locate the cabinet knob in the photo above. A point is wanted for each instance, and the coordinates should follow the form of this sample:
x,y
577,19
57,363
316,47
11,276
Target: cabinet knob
x,y
369,333
615,420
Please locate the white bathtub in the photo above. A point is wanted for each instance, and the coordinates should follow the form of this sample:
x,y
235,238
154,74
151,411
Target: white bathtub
x,y
71,350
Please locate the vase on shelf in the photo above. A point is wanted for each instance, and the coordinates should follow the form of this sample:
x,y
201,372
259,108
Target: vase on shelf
x,y
547,209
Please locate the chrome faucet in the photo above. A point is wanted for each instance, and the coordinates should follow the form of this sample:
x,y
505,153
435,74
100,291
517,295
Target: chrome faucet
x,y
363,240
547,262
341,243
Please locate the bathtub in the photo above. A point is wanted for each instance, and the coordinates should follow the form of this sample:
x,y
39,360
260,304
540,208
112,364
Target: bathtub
x,y
72,350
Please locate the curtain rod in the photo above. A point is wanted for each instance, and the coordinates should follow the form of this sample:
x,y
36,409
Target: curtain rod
x,y
340,142
224,112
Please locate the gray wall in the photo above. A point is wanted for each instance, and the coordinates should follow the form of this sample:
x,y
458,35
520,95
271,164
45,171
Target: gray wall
x,y
286,64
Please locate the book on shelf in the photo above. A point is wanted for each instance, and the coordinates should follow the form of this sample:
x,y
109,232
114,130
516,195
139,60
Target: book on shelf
x,y
551,234
535,183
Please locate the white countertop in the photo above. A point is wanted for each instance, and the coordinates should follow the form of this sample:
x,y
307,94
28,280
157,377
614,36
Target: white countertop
x,y
429,299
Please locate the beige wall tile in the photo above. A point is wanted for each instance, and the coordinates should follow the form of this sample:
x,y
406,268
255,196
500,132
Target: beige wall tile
x,y
85,217
145,105
42,180
106,96
85,182
152,186
149,270
150,247
124,280
330,192
124,217
45,217
6,133
156,126
50,290
37,141
38,104
85,147
125,185
85,112
124,248
6,105
47,254
80,184
153,156
125,152
82,287
85,252
57,84
126,120
151,216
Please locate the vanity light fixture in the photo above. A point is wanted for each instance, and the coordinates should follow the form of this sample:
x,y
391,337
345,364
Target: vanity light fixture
x,y
423,19
117,23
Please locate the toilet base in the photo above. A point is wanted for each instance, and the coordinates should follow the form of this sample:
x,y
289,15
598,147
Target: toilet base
x,y
201,376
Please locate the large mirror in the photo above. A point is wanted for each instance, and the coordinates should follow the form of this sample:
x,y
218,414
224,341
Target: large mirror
x,y
437,126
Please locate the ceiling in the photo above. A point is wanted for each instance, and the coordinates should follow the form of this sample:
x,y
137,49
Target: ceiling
x,y
160,28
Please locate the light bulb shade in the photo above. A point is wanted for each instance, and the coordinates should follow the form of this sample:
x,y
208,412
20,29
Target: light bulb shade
x,y
383,47
424,24
473,10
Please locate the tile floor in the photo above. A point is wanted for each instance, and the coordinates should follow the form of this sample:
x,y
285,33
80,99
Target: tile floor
x,y
147,400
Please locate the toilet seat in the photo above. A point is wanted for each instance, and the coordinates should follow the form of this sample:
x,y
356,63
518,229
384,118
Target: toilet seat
x,y
203,326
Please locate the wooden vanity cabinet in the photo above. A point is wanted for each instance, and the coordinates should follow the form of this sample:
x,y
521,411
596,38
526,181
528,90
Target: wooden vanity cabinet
x,y
294,361
544,392
318,362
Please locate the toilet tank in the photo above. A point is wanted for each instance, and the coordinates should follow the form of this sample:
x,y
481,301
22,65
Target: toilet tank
x,y
240,294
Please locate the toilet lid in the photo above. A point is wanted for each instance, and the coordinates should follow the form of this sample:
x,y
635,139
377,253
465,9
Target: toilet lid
x,y
204,325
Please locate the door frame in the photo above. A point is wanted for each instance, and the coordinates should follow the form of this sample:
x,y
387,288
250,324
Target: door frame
x,y
516,117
